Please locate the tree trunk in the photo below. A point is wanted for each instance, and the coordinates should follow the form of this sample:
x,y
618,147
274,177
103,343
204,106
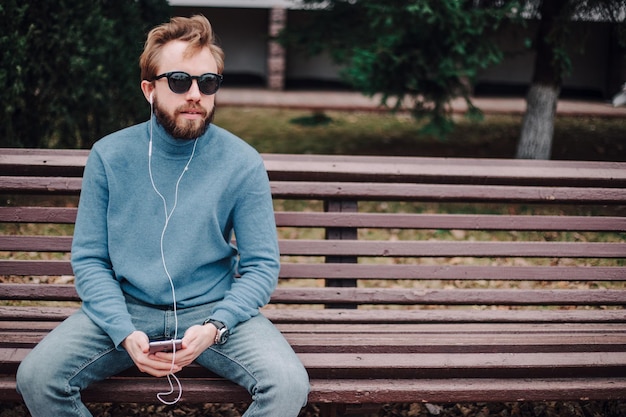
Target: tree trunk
x,y
538,123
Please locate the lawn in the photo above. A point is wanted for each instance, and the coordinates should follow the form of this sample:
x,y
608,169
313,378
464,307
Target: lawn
x,y
367,133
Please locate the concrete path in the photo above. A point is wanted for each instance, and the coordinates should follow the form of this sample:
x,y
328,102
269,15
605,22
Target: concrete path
x,y
342,100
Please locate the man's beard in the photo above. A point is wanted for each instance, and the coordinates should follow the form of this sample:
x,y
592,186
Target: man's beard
x,y
186,129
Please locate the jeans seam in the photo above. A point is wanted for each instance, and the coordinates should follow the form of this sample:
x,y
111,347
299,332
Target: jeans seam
x,y
80,368
236,361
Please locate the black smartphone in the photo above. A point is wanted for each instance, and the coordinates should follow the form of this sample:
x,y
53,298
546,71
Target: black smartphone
x,y
165,345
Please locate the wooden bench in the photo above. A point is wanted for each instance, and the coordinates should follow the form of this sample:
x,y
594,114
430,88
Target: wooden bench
x,y
403,279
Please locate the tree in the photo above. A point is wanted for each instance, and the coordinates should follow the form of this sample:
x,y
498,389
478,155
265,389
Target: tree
x,y
425,52
69,71
552,63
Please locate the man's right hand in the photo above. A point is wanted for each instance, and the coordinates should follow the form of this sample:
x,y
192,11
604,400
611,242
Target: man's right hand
x,y
138,347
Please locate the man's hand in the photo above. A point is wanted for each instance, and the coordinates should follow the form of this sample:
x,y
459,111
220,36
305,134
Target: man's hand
x,y
197,339
137,346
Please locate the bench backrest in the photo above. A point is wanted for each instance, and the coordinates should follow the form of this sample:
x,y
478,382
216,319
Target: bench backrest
x,y
416,239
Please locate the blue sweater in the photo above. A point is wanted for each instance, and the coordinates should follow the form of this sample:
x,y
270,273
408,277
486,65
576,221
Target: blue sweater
x,y
116,247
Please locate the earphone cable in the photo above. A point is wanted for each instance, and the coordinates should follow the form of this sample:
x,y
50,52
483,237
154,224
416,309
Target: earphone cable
x,y
168,216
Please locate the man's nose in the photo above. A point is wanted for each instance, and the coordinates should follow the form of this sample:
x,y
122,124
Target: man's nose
x,y
194,91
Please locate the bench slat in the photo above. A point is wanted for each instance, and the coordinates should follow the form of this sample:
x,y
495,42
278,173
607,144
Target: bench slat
x,y
452,221
433,365
49,162
41,185
356,391
406,296
35,267
470,365
423,329
375,191
446,192
63,215
350,316
382,272
445,170
370,168
413,342
452,272
439,248
430,248
410,296
67,215
17,243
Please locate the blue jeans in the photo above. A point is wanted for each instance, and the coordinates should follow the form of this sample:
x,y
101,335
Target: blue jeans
x,y
77,353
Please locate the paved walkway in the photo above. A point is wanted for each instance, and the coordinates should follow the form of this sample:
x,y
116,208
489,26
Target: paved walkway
x,y
342,100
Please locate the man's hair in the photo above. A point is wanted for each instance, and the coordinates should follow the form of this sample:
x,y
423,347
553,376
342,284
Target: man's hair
x,y
196,30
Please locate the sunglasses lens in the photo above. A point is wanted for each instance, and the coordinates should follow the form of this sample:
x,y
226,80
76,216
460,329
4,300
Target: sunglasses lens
x,y
208,84
179,82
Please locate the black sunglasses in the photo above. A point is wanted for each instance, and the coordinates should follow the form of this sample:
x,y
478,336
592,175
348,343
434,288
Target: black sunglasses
x,y
180,82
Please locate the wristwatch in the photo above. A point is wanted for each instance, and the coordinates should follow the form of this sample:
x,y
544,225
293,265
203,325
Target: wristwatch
x,y
222,331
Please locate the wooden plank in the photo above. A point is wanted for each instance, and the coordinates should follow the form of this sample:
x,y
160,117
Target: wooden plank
x,y
444,170
433,365
410,342
51,292
371,191
36,313
451,221
410,296
355,391
440,248
374,220
41,185
382,272
379,391
446,193
35,267
365,168
441,316
404,296
449,329
451,272
461,365
424,330
63,215
35,243
458,343
49,162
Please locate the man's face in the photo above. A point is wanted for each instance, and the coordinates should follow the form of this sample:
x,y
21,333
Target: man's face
x,y
186,115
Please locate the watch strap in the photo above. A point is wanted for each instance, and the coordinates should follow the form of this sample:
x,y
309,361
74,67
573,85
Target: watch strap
x,y
222,331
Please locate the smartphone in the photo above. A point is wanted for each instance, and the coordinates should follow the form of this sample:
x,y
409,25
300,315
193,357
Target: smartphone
x,y
166,345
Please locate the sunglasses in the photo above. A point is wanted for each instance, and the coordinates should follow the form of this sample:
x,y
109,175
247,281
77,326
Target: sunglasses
x,y
180,82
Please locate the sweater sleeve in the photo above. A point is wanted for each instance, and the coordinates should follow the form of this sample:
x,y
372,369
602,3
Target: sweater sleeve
x,y
96,284
257,244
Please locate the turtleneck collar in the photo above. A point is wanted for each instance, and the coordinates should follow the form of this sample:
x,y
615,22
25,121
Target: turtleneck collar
x,y
166,143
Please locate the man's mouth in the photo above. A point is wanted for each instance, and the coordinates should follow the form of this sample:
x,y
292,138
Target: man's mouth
x,y
192,113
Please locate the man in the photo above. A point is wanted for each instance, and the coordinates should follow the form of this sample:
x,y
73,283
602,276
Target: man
x,y
153,254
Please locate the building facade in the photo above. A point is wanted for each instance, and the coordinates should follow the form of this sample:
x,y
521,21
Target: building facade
x,y
245,29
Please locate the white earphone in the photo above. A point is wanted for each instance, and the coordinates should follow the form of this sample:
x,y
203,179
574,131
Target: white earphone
x,y
168,215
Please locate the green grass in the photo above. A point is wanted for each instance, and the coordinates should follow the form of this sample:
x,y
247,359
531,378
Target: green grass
x,y
366,133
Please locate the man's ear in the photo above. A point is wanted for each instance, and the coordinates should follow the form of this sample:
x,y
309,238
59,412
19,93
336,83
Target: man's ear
x,y
148,90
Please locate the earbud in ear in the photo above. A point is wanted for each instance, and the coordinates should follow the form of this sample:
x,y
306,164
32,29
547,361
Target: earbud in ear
x,y
151,97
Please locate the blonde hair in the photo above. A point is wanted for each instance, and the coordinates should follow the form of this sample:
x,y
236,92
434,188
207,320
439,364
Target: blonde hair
x,y
196,30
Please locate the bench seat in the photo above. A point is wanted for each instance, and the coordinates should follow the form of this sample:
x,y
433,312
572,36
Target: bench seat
x,y
402,279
